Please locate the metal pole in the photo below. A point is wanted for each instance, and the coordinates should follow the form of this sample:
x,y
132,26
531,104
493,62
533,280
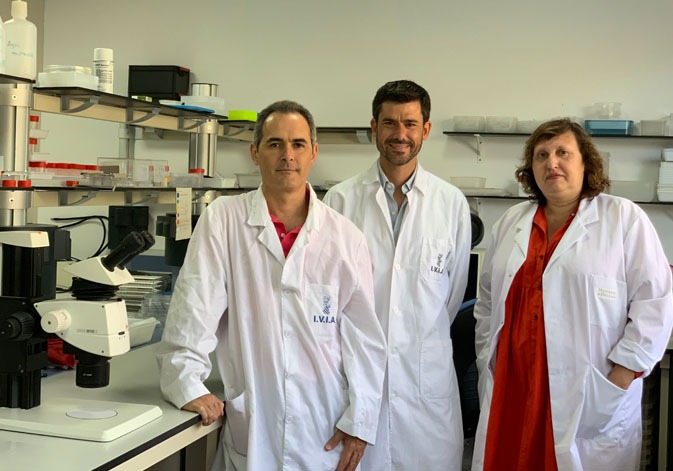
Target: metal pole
x,y
15,104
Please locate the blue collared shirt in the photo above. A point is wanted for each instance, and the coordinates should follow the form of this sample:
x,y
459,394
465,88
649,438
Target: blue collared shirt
x,y
396,214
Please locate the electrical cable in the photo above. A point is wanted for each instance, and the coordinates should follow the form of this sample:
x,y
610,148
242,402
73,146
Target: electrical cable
x,y
81,220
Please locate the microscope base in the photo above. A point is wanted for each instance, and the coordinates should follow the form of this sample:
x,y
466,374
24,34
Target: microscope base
x,y
56,417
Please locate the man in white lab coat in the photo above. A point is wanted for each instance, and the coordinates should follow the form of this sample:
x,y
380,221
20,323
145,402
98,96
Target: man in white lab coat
x,y
280,287
418,232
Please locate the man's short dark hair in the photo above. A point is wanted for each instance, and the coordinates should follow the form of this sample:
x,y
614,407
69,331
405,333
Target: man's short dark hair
x,y
284,107
402,91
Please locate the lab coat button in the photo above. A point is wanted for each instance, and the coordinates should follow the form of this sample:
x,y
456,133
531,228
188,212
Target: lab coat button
x,y
396,310
398,266
288,419
288,375
287,334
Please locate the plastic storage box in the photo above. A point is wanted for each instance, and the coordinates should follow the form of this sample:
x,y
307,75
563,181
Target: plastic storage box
x,y
67,76
653,127
129,172
141,330
160,173
608,127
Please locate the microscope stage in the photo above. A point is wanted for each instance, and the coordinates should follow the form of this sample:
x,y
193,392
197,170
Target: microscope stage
x,y
98,421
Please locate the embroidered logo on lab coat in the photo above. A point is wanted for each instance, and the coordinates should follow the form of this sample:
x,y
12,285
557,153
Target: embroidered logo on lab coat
x,y
606,293
438,268
327,318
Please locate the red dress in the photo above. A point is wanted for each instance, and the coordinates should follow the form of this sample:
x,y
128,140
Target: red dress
x,y
520,434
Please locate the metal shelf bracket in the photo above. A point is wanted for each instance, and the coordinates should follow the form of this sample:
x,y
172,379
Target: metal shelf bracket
x,y
480,148
128,197
240,130
65,104
63,198
129,115
363,136
182,127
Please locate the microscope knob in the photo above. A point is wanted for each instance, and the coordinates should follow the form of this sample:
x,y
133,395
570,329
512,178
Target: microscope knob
x,y
55,321
17,326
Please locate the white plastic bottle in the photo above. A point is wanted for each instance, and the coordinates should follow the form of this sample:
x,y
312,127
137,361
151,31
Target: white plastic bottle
x,y
103,68
3,47
21,41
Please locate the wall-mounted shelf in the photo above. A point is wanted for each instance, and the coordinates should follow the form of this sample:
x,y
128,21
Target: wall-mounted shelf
x,y
344,135
76,101
14,80
243,130
95,196
479,135
514,134
239,130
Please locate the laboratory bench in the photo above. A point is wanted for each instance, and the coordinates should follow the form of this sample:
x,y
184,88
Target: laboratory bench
x,y
176,436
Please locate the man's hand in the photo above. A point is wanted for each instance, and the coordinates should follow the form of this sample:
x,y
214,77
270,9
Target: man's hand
x,y
208,406
621,377
352,453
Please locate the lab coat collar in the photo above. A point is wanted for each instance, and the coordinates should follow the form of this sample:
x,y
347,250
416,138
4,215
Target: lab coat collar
x,y
524,227
259,216
586,214
259,212
371,176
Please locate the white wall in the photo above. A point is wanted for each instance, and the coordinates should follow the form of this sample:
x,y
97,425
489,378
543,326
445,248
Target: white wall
x,y
530,59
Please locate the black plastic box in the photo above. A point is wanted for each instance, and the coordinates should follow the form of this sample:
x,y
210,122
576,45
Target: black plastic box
x,y
161,82
125,219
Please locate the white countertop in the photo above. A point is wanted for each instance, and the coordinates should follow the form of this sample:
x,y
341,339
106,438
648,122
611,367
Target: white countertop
x,y
134,377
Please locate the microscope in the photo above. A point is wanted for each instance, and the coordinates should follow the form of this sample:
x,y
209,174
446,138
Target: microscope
x,y
92,324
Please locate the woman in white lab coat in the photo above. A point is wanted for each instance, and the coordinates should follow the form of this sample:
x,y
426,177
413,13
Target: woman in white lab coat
x,y
575,306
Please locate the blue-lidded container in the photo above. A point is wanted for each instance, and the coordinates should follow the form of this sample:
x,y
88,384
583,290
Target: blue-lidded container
x,y
608,127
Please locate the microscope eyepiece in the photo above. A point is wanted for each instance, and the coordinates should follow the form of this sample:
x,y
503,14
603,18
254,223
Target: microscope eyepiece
x,y
129,246
149,242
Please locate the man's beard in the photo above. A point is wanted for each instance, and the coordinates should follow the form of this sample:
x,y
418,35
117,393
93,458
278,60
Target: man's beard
x,y
395,158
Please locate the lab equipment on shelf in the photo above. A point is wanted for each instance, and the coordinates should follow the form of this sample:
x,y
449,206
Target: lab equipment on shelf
x,y
67,76
103,68
21,43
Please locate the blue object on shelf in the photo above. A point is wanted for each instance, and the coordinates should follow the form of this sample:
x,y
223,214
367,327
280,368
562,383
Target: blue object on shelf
x,y
608,127
192,108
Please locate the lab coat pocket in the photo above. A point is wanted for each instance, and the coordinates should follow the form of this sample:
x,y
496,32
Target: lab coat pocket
x,y
601,416
607,301
436,362
434,253
237,418
322,304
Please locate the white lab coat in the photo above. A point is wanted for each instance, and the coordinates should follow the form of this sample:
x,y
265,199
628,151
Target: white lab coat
x,y
607,299
299,336
419,285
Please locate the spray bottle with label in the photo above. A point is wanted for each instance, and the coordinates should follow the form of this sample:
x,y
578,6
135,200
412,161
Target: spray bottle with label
x,y
21,42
